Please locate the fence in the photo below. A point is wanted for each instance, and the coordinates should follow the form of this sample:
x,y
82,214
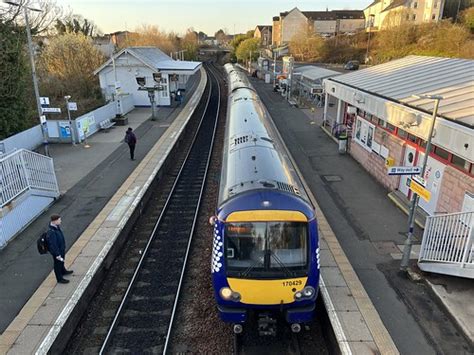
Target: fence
x,y
447,246
59,130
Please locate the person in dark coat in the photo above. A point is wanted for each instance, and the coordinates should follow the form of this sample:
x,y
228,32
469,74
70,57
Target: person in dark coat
x,y
57,248
131,140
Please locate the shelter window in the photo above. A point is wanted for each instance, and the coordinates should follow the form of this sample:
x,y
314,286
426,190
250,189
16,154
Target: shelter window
x,y
443,154
412,138
461,163
402,134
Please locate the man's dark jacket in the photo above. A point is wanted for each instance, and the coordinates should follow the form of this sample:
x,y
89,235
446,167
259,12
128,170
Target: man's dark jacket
x,y
56,242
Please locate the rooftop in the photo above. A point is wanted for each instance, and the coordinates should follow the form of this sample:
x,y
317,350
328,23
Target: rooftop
x,y
312,72
400,79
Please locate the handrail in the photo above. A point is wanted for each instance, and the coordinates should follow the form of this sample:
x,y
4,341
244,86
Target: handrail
x,y
24,170
447,242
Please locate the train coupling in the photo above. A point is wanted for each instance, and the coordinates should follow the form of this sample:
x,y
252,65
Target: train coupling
x,y
266,325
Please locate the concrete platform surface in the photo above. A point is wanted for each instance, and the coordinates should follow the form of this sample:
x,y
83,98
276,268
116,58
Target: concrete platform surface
x,y
47,311
92,208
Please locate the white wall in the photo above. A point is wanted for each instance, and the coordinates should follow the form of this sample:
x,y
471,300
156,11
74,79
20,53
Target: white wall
x,y
292,24
29,139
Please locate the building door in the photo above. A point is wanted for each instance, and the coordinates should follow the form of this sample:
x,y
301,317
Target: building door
x,y
433,177
409,160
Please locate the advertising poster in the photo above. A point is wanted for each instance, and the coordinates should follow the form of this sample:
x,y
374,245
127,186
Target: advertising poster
x,y
64,130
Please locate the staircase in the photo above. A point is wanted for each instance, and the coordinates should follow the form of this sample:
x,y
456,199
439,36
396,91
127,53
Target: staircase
x,y
447,246
28,185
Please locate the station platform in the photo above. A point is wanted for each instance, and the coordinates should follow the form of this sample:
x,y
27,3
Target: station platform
x,y
101,189
364,232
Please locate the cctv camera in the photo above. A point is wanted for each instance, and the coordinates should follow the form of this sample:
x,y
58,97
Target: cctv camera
x,y
141,81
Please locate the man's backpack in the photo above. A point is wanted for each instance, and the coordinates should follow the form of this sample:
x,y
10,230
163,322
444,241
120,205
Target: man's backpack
x,y
42,243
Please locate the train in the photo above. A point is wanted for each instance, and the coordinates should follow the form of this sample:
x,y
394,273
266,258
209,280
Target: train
x,y
265,256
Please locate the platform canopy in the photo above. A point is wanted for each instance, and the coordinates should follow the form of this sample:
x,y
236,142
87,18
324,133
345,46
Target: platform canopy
x,y
156,60
400,79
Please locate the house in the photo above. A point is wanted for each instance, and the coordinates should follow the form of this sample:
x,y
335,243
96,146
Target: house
x,y
389,124
326,23
148,65
385,13
264,33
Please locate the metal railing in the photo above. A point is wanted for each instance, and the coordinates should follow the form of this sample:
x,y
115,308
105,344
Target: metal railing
x,y
447,245
24,170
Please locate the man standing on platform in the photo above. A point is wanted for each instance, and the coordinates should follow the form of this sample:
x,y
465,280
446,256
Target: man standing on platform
x,y
131,140
57,248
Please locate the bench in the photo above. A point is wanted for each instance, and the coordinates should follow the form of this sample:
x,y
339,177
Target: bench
x,y
106,124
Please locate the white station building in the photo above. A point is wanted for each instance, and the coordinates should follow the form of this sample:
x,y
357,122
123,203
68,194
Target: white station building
x,y
120,73
389,125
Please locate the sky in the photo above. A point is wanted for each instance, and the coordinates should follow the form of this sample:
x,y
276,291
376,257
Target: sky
x,y
202,15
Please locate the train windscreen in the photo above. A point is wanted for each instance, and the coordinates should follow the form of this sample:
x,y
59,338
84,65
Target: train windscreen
x,y
266,249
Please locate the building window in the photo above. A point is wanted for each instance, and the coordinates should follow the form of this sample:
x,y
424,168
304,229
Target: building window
x,y
413,17
364,133
443,154
391,127
382,123
412,138
415,5
461,163
433,17
402,134
435,5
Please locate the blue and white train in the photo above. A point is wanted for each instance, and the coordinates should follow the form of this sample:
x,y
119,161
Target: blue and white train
x,y
265,261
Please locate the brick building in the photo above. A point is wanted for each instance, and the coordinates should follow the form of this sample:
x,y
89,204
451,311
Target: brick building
x,y
388,124
327,23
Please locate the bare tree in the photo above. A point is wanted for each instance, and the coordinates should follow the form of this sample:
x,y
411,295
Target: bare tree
x,y
40,22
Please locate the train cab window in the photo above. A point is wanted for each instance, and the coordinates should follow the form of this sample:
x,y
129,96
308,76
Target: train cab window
x,y
264,249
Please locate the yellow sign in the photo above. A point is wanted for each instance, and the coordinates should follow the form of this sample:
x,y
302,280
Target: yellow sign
x,y
420,190
389,162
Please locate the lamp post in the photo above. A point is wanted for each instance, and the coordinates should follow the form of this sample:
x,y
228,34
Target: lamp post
x,y
414,201
371,23
33,69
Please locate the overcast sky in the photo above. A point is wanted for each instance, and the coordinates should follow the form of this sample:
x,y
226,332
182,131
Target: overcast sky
x,y
203,15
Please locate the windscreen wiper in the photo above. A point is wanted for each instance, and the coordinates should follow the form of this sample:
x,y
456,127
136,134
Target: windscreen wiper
x,y
282,265
250,268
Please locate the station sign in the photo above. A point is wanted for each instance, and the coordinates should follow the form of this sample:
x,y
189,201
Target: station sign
x,y
44,101
72,106
404,170
51,110
420,190
419,180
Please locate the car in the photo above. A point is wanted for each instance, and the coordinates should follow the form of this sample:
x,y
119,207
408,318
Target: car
x,y
352,65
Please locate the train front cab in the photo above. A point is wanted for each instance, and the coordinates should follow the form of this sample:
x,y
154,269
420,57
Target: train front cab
x,y
266,262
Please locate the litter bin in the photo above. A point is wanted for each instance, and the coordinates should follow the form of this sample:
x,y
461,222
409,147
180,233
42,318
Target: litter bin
x,y
342,140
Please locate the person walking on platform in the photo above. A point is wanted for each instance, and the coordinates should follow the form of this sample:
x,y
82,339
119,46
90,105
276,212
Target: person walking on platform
x,y
131,140
57,248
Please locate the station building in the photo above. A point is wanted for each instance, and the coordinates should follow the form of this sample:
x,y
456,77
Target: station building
x,y
120,73
387,124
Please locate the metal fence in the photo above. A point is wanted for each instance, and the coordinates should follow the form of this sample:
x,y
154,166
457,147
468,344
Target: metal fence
x,y
447,245
24,170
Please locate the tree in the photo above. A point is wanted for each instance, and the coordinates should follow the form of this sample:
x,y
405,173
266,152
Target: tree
x,y
148,35
76,24
40,22
189,43
17,105
246,48
467,18
66,67
220,36
306,45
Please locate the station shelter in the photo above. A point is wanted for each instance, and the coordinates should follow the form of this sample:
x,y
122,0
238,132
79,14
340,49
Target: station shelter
x,y
388,125
149,66
308,83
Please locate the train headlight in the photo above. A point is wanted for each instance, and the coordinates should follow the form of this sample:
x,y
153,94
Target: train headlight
x,y
229,295
298,295
226,293
309,291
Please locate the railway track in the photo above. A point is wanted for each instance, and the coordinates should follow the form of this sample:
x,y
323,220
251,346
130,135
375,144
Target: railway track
x,y
144,319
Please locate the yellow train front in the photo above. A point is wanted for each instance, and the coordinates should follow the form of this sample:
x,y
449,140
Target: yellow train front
x,y
265,259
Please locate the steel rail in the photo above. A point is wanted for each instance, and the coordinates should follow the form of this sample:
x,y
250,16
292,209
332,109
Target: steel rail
x,y
153,233
195,215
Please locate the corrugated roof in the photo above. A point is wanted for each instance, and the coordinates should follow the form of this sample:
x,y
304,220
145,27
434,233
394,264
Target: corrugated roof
x,y
151,55
313,73
400,79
